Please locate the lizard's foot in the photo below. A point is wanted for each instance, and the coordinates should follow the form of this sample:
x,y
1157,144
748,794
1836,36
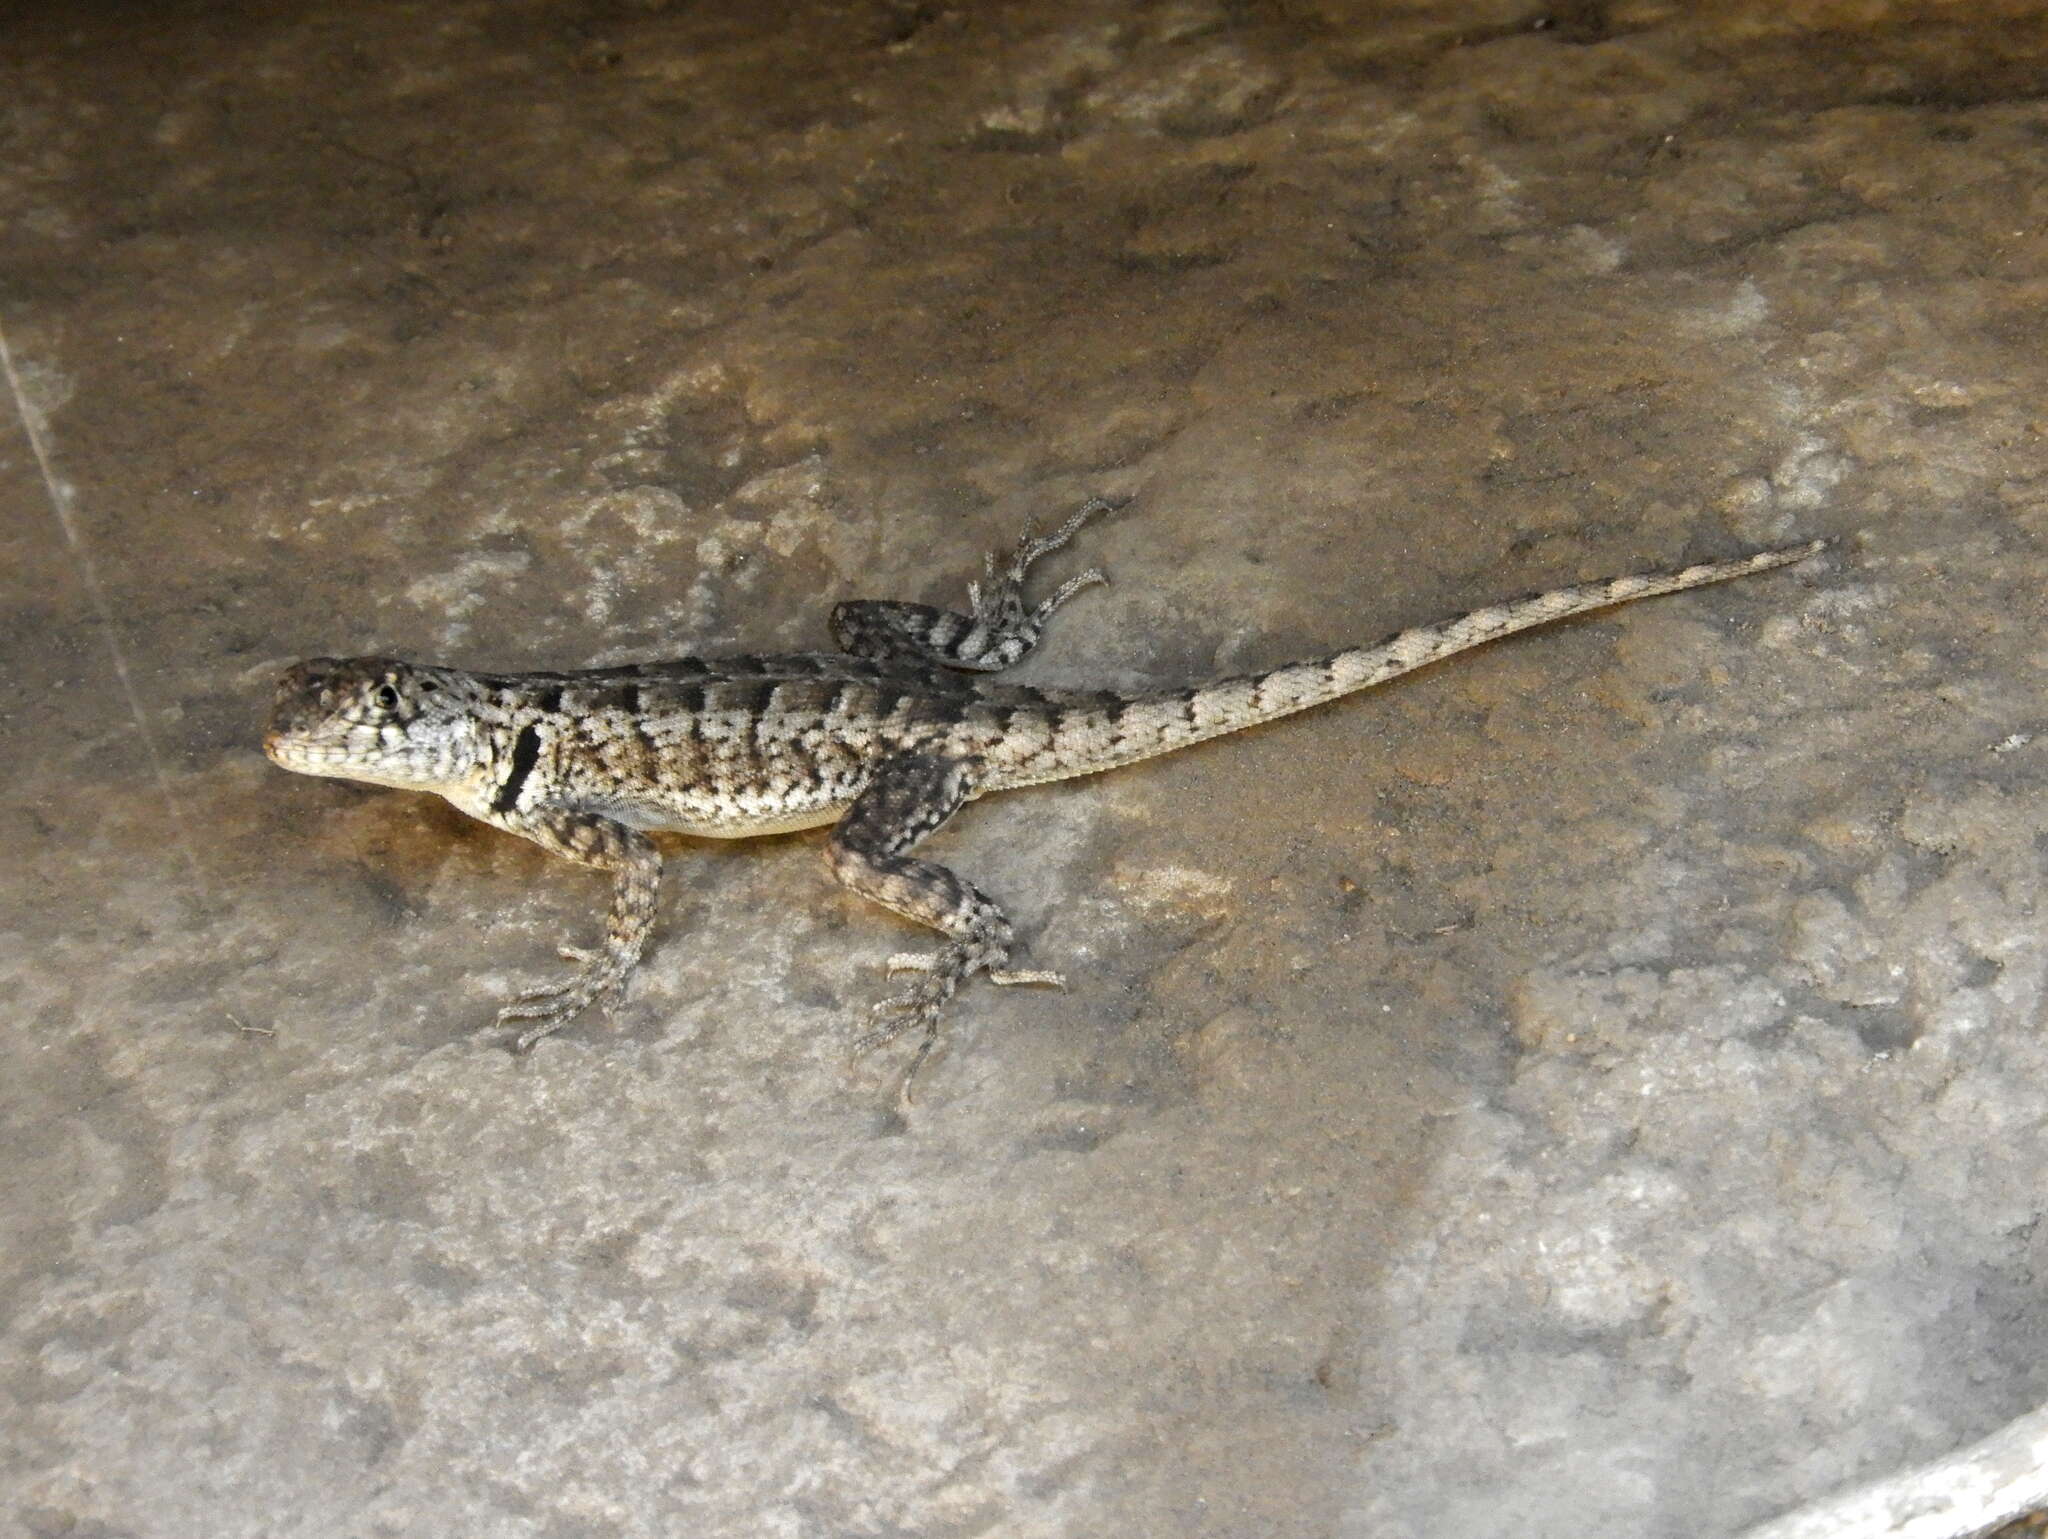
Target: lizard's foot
x,y
550,1007
919,1006
1033,544
926,961
997,628
635,865
998,600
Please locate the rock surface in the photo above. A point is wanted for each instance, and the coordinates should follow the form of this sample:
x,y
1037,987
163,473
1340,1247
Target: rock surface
x,y
1591,1089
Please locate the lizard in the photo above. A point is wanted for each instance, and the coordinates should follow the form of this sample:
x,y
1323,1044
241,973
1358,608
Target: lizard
x,y
885,738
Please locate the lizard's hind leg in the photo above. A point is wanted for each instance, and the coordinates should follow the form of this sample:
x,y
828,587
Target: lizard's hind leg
x,y
909,796
997,629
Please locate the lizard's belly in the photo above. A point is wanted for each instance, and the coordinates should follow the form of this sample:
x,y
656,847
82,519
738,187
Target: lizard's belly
x,y
752,826
735,812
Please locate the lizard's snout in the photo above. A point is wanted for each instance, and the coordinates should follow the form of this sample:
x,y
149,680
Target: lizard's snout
x,y
302,695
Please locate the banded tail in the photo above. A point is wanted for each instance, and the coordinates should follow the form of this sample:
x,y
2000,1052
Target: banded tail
x,y
1089,739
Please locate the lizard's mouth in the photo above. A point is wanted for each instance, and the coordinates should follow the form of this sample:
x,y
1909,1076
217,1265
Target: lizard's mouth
x,y
278,738
287,740
282,749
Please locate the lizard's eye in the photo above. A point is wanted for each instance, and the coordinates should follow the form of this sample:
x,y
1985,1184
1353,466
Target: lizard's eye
x,y
387,697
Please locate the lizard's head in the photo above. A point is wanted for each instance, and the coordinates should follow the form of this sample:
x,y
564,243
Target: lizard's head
x,y
375,719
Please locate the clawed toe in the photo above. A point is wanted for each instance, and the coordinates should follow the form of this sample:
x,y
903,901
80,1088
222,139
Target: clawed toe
x,y
1093,577
551,1006
533,1004
918,1007
1033,544
882,1036
524,1042
1006,977
549,1011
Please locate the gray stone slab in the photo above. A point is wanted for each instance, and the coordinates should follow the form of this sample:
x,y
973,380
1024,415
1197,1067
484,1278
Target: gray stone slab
x,y
1589,1089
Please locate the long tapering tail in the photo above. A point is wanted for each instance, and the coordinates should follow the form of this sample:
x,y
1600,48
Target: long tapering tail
x,y
1084,740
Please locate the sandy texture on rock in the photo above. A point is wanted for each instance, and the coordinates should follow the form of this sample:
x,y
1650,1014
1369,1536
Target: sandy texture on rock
x,y
1592,1089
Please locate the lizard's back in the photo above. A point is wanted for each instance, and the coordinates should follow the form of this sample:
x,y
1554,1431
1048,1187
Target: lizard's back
x,y
739,746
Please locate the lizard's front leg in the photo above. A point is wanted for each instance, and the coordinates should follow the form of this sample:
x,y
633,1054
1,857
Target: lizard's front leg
x,y
635,865
997,629
908,797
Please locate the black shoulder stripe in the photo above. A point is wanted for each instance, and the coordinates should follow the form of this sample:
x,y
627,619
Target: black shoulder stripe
x,y
525,754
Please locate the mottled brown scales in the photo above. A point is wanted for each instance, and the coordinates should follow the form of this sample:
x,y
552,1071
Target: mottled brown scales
x,y
886,739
